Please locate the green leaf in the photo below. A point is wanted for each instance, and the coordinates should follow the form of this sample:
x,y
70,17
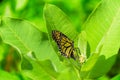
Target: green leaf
x,y
103,29
38,70
86,68
26,38
117,77
99,21
7,76
21,34
83,44
68,74
56,19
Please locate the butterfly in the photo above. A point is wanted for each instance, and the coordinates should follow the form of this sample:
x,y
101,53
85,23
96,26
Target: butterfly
x,y
65,45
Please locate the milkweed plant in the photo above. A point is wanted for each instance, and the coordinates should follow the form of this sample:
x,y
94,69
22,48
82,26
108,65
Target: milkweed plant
x,y
96,44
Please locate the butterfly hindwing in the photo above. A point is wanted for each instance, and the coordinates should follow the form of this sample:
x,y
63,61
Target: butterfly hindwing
x,y
66,46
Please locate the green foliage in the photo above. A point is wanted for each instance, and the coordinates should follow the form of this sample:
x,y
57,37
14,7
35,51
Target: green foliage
x,y
6,76
103,30
28,46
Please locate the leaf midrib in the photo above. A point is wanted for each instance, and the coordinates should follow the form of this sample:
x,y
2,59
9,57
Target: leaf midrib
x,y
17,37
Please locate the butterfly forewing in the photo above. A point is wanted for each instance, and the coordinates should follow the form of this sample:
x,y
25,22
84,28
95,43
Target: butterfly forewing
x,y
66,46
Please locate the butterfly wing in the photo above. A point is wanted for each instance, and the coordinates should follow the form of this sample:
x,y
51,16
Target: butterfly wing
x,y
66,46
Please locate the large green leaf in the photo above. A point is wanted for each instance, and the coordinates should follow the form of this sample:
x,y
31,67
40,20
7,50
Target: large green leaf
x,y
100,21
38,70
58,20
103,30
26,38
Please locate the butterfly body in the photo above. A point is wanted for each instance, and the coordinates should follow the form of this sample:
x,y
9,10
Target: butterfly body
x,y
65,45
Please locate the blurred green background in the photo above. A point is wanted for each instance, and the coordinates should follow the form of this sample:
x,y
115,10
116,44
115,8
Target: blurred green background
x,y
32,10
